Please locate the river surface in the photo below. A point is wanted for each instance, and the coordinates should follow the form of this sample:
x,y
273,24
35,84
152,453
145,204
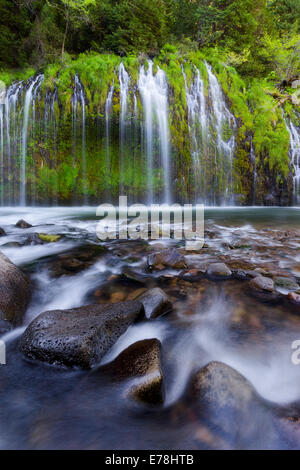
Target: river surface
x,y
46,407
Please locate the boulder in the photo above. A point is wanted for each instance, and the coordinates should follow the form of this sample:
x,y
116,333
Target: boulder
x,y
168,258
294,298
141,361
262,283
2,232
14,293
219,271
285,285
155,302
228,402
80,336
23,224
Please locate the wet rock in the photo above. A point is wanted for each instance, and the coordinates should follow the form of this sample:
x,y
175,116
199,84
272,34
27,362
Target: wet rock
x,y
79,336
218,270
168,258
14,292
229,402
142,361
294,298
156,302
47,238
23,224
76,260
285,285
11,245
2,232
262,283
34,239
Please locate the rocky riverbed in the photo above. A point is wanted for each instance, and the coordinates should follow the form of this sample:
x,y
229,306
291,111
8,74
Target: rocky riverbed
x,y
142,344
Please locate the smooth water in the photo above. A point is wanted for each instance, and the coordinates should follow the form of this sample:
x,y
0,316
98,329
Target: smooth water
x,y
48,407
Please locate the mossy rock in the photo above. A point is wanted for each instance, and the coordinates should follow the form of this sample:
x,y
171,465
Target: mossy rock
x,y
49,238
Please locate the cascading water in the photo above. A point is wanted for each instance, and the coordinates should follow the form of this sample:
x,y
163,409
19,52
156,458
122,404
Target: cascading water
x,y
108,110
78,98
224,125
124,81
295,157
198,126
154,93
30,96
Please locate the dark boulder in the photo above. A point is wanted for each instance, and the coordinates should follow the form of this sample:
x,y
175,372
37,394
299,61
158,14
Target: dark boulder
x,y
79,336
23,224
2,232
14,293
142,361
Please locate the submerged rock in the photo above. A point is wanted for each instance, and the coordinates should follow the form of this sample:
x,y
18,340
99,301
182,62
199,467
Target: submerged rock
x,y
14,293
218,270
168,258
284,284
79,336
23,224
156,302
142,361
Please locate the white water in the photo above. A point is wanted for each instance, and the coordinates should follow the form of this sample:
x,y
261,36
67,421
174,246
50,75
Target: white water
x,y
222,120
295,157
154,93
79,99
30,96
124,81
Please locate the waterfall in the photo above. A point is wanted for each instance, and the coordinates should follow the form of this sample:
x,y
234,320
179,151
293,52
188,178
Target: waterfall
x,y
30,96
108,109
224,125
295,157
78,98
198,126
253,161
124,81
154,93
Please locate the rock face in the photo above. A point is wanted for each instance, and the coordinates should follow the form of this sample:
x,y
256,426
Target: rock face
x,y
155,302
80,336
14,294
169,258
141,360
23,224
218,270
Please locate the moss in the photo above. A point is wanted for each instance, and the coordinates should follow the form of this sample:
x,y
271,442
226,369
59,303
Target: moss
x,y
49,238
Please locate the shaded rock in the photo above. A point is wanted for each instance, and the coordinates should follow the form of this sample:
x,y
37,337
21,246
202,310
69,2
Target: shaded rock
x,y
142,361
77,259
14,292
218,270
294,298
2,232
79,336
262,283
229,403
168,258
34,239
23,224
156,302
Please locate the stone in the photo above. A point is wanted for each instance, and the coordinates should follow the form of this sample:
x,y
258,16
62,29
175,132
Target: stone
x,y
23,224
168,258
155,302
294,298
80,336
262,283
140,361
2,232
15,293
218,270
